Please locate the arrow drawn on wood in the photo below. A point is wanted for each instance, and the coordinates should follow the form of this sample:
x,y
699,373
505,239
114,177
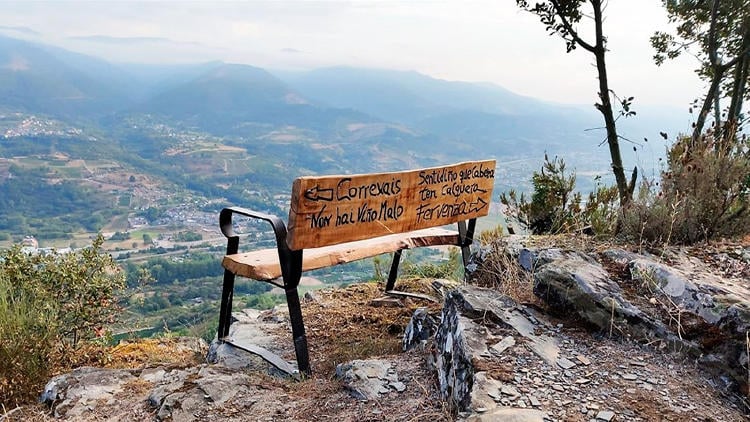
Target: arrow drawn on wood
x,y
477,206
318,194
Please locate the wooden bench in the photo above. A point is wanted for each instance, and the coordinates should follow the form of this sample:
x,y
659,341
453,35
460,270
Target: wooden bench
x,y
339,219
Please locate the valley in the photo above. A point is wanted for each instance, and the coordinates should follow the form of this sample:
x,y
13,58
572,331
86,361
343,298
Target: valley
x,y
88,147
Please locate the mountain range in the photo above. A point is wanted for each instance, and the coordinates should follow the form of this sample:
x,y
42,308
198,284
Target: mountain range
x,y
222,129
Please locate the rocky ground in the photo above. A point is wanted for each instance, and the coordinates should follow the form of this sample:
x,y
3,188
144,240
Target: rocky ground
x,y
529,360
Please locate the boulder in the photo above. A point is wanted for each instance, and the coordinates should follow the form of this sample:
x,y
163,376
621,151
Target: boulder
x,y
714,311
571,281
460,343
78,393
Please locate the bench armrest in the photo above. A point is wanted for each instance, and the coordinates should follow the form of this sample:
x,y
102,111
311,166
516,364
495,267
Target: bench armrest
x,y
290,261
225,223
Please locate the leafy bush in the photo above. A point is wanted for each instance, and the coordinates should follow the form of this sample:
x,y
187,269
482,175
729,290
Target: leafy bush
x,y
601,211
49,304
554,208
703,194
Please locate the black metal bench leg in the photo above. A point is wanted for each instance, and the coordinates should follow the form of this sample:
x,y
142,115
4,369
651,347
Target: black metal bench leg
x,y
393,274
225,312
298,331
466,237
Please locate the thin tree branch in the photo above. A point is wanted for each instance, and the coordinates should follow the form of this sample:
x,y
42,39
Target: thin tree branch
x,y
568,27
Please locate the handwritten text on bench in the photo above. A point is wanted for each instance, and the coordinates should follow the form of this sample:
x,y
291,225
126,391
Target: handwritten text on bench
x,y
434,194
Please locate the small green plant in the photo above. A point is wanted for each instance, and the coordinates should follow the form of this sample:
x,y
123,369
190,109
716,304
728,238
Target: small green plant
x,y
554,206
601,210
27,327
49,305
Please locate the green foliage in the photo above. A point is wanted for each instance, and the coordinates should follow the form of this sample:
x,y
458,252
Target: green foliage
x,y
703,195
554,207
152,214
168,270
67,207
49,304
187,237
451,268
119,236
601,211
264,301
27,341
717,33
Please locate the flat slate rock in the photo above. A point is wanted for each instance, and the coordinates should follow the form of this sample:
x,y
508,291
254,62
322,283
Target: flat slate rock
x,y
509,414
368,379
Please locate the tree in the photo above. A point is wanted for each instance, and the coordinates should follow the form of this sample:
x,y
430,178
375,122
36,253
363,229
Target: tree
x,y
561,18
717,33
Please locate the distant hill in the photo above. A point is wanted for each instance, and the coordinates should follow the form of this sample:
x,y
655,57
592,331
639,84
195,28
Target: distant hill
x,y
457,111
229,97
41,79
407,97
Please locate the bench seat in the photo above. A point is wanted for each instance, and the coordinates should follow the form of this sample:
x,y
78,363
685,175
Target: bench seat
x,y
264,264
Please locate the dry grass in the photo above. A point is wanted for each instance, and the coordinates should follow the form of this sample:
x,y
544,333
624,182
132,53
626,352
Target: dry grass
x,y
156,351
343,325
500,271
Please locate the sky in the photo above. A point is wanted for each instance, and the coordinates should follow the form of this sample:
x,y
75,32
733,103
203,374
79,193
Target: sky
x,y
487,41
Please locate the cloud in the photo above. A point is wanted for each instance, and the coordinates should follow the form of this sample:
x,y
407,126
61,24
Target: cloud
x,y
291,50
20,29
106,39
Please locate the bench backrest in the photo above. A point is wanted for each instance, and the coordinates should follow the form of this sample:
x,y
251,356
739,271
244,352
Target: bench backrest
x,y
328,210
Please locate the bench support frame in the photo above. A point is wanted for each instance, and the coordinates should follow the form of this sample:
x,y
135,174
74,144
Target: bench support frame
x,y
291,269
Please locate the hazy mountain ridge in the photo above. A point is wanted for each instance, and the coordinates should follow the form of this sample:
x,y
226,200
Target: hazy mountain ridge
x,y
226,130
459,111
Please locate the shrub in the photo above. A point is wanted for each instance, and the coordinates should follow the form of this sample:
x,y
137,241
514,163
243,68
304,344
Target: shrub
x,y
703,194
601,211
49,304
554,207
27,328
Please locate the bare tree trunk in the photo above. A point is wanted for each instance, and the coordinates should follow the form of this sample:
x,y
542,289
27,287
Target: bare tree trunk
x,y
712,96
743,83
605,107
706,107
738,87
